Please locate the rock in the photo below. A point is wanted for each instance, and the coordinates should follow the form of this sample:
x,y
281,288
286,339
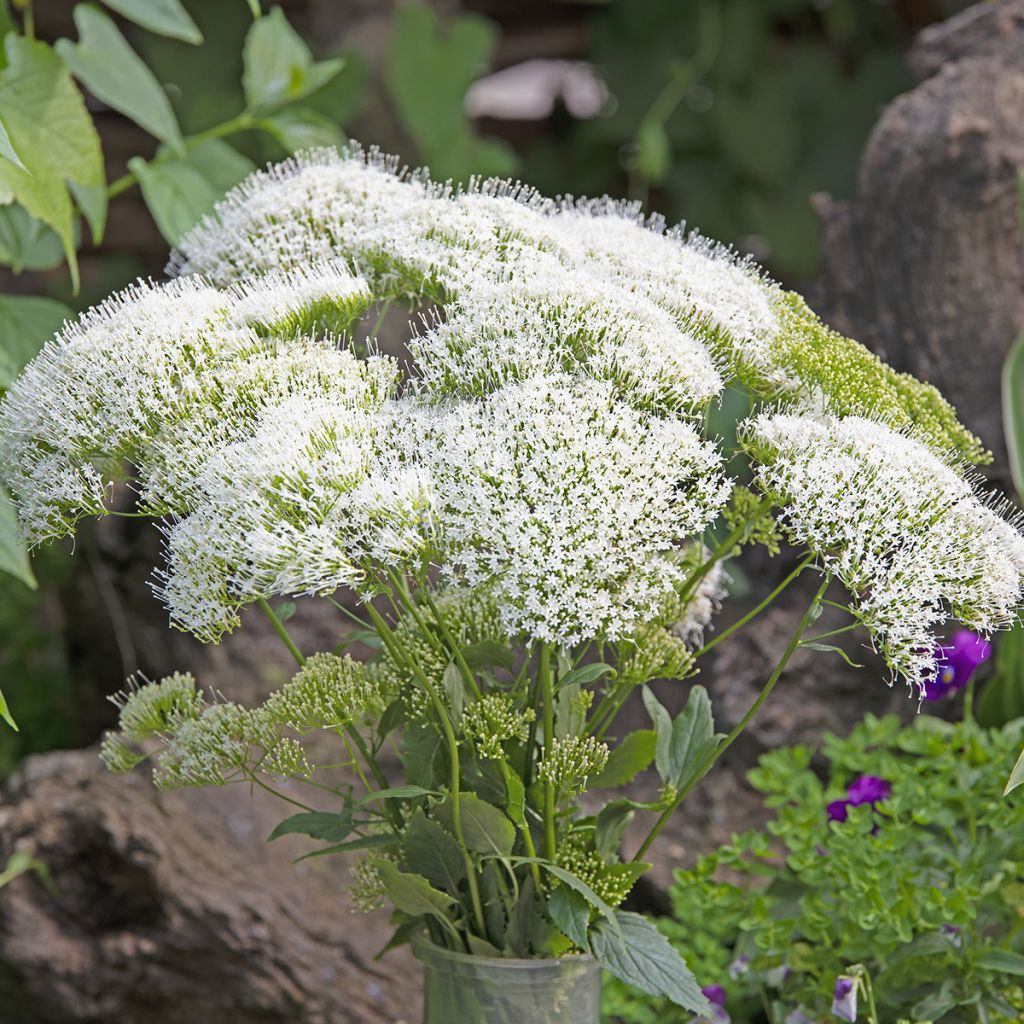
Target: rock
x,y
173,908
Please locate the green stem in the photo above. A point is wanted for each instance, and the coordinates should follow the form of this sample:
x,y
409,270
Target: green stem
x,y
809,616
389,638
455,648
283,633
252,777
548,696
242,122
756,611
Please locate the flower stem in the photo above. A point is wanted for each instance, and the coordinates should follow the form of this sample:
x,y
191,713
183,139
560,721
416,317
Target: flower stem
x,y
809,616
548,696
283,633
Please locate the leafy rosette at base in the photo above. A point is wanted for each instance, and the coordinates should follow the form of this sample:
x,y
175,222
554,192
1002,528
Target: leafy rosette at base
x,y
902,529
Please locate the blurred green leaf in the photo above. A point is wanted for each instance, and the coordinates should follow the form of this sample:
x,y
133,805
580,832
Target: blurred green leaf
x,y
110,69
26,322
328,826
298,128
13,556
1016,776
7,150
180,192
1013,411
27,243
53,135
278,66
420,52
5,713
165,17
653,151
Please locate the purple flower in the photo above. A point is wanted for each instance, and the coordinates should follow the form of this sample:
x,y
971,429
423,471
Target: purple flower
x,y
865,789
739,966
798,1017
844,999
952,932
715,995
958,661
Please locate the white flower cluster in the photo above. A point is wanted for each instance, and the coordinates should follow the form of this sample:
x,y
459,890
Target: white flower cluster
x,y
568,504
902,529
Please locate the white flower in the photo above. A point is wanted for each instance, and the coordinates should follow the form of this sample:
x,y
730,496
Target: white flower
x,y
902,529
568,504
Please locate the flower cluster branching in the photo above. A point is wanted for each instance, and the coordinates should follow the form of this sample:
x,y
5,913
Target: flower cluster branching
x,y
534,516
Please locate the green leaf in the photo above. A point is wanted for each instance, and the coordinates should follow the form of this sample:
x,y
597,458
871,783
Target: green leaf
x,y
5,713
53,135
404,933
413,894
277,65
575,883
26,323
180,192
397,793
164,17
638,954
485,828
570,912
330,827
374,842
629,758
682,745
7,149
455,688
1013,412
298,128
515,796
427,847
585,675
111,70
13,556
420,744
830,649
611,825
1003,961
653,155
450,61
488,654
1016,776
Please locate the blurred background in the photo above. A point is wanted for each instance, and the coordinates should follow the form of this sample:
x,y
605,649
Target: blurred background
x,y
865,151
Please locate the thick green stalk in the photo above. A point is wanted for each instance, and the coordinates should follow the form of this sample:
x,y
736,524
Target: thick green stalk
x,y
548,696
455,783
809,616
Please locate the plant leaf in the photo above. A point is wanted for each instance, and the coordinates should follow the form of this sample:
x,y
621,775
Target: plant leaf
x,y
374,842
13,556
54,138
397,793
586,674
5,713
488,654
298,128
570,913
111,70
326,825
413,894
164,17
1016,776
435,853
485,828
640,955
1004,961
455,688
830,649
612,822
277,65
627,760
26,323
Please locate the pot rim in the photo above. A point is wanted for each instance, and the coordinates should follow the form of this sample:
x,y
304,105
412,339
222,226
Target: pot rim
x,y
420,942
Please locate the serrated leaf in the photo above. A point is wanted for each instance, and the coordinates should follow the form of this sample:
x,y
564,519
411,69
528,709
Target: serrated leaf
x,y
433,852
638,954
13,556
299,128
325,825
412,893
683,745
485,828
26,323
374,842
111,70
164,17
570,912
278,66
53,135
627,760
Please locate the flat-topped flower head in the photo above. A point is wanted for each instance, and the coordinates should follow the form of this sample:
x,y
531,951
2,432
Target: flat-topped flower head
x,y
899,526
568,504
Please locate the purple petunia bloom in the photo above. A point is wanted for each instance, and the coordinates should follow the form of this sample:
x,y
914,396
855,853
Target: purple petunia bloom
x,y
844,999
865,789
715,995
958,661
